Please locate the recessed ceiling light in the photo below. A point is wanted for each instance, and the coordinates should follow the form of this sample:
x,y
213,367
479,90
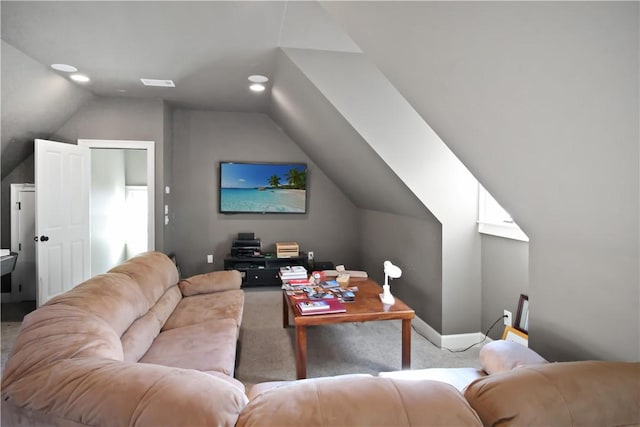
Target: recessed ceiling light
x,y
257,78
79,78
256,87
64,67
156,82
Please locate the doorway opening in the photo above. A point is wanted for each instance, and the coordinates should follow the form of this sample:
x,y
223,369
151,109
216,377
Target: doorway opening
x,y
122,201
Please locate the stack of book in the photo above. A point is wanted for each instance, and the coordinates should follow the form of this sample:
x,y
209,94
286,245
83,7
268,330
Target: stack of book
x,y
294,272
320,307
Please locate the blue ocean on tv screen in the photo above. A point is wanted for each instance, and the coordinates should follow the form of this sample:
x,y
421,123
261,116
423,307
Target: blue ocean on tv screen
x,y
267,200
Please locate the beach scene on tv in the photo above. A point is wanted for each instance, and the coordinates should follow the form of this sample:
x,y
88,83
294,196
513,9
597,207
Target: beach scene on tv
x,y
263,188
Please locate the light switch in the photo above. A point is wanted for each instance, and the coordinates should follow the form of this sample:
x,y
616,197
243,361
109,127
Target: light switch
x,y
166,219
167,190
210,259
166,209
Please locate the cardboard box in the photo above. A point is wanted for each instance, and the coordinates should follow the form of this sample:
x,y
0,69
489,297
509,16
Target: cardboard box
x,y
287,249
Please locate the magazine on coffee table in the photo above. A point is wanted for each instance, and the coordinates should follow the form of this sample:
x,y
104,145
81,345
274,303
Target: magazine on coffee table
x,y
320,307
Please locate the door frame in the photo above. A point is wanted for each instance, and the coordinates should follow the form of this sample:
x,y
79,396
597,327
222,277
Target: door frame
x,y
151,175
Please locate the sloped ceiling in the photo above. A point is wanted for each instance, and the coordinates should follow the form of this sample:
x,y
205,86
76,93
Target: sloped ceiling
x,y
208,49
35,102
325,135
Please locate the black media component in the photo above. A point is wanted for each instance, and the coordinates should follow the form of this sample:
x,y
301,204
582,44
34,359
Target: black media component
x,y
262,271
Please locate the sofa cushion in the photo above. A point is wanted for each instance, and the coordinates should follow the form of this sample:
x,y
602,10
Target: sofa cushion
x,y
569,393
500,356
140,335
457,377
202,308
215,281
206,346
362,401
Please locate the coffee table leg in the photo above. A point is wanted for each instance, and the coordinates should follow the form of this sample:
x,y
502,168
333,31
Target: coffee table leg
x,y
285,311
301,352
406,343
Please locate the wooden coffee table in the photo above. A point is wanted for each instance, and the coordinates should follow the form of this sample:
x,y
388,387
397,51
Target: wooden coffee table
x,y
366,307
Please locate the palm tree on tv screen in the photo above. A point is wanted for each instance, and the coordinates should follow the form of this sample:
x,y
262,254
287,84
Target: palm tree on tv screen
x,y
274,181
296,179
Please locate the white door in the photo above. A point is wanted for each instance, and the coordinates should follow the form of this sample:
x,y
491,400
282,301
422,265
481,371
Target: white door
x,y
23,229
62,175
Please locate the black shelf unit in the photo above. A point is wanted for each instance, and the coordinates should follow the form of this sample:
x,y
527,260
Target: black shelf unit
x,y
262,271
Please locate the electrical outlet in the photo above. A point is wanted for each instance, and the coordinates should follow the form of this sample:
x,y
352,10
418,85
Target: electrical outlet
x,y
310,255
210,259
507,318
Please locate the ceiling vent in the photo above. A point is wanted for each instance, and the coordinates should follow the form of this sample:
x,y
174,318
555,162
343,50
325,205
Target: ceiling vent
x,y
159,83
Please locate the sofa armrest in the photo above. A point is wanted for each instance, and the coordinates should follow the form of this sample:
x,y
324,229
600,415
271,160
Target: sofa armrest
x,y
216,281
104,392
501,356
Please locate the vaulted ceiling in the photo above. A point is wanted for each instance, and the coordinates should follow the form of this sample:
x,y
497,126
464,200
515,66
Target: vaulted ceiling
x,y
207,48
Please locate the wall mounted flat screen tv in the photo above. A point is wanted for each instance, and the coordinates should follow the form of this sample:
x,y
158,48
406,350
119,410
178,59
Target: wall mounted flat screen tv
x,y
263,188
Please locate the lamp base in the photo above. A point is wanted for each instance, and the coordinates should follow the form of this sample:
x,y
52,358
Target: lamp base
x,y
386,296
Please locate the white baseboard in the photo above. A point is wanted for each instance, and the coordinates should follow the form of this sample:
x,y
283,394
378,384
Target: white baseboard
x,y
452,342
424,329
460,341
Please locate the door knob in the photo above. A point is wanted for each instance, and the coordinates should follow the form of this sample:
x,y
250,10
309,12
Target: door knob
x,y
44,238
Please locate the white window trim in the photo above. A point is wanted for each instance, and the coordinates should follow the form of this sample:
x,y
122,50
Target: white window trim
x,y
506,228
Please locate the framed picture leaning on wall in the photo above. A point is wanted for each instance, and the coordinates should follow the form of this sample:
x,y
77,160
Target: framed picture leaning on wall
x,y
522,315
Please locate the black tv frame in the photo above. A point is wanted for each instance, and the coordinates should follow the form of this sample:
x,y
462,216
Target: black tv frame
x,y
299,165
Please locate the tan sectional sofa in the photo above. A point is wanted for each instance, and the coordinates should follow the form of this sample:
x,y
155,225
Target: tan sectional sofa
x,y
133,348
130,347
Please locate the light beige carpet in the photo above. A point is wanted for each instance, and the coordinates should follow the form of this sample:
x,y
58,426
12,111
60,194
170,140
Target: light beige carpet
x,y
267,349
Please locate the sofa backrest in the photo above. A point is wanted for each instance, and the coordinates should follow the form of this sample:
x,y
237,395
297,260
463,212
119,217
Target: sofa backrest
x,y
361,400
568,393
156,277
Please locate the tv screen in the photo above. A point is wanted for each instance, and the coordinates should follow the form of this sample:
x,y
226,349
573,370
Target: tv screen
x,y
263,187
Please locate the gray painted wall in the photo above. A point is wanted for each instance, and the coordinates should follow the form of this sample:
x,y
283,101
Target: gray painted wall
x,y
204,138
127,119
167,158
135,167
413,244
551,90
505,275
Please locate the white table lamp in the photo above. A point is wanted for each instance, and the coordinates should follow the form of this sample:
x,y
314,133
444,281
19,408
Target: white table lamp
x,y
390,271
